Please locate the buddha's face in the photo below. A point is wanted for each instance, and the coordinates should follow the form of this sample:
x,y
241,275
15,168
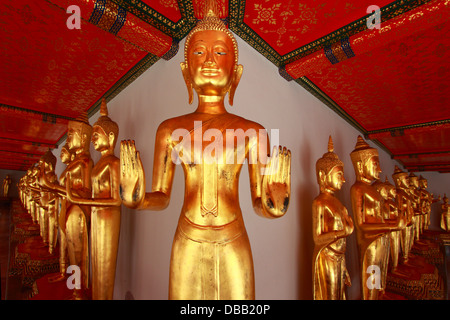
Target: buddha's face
x,y
404,181
335,179
36,170
65,155
48,168
424,184
414,182
211,62
384,192
372,169
99,139
392,193
74,141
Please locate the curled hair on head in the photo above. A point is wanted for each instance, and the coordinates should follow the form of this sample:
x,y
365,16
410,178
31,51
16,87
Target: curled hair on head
x,y
211,21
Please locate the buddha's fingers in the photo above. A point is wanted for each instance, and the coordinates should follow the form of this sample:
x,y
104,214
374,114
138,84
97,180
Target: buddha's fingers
x,y
281,164
132,156
273,166
287,172
123,158
139,167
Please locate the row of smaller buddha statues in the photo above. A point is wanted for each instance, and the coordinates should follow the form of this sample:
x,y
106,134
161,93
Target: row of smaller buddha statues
x,y
388,218
81,209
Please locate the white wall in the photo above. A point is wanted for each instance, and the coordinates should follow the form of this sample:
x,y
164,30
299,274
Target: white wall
x,y
282,249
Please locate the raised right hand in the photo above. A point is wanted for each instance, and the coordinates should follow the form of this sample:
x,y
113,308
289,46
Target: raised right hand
x,y
132,178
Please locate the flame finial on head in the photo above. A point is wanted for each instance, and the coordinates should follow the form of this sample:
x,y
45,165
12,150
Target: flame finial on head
x,y
103,108
330,145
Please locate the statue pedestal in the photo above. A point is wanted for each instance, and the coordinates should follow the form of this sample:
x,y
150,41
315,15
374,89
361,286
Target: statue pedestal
x,y
419,278
33,260
44,289
445,248
30,258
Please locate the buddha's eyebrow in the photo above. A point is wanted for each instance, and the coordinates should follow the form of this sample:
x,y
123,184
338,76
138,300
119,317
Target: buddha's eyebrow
x,y
221,43
199,41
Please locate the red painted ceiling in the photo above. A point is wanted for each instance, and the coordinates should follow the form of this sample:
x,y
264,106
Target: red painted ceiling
x,y
389,83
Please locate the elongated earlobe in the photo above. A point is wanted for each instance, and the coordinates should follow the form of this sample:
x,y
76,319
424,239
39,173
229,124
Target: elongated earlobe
x,y
111,139
234,84
185,72
359,165
322,178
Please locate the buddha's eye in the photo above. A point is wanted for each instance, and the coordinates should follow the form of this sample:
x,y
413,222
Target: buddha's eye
x,y
220,53
198,52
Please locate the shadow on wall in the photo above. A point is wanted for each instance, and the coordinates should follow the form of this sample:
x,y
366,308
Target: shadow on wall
x,y
305,195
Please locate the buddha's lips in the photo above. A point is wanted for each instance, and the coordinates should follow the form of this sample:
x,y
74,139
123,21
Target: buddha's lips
x,y
210,71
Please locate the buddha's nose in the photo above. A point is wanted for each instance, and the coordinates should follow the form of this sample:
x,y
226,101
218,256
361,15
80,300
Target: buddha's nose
x,y
209,59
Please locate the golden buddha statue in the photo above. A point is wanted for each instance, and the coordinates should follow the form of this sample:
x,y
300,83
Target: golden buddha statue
x,y
78,216
23,189
48,217
26,191
391,214
211,256
405,207
415,196
6,184
66,157
372,231
331,226
445,214
105,207
34,193
426,200
20,189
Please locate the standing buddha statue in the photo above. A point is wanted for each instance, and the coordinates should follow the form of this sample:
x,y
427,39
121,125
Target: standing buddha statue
x,y
391,215
426,200
211,256
77,221
372,230
66,157
331,226
34,193
105,206
6,184
445,214
405,207
415,196
395,235
49,223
